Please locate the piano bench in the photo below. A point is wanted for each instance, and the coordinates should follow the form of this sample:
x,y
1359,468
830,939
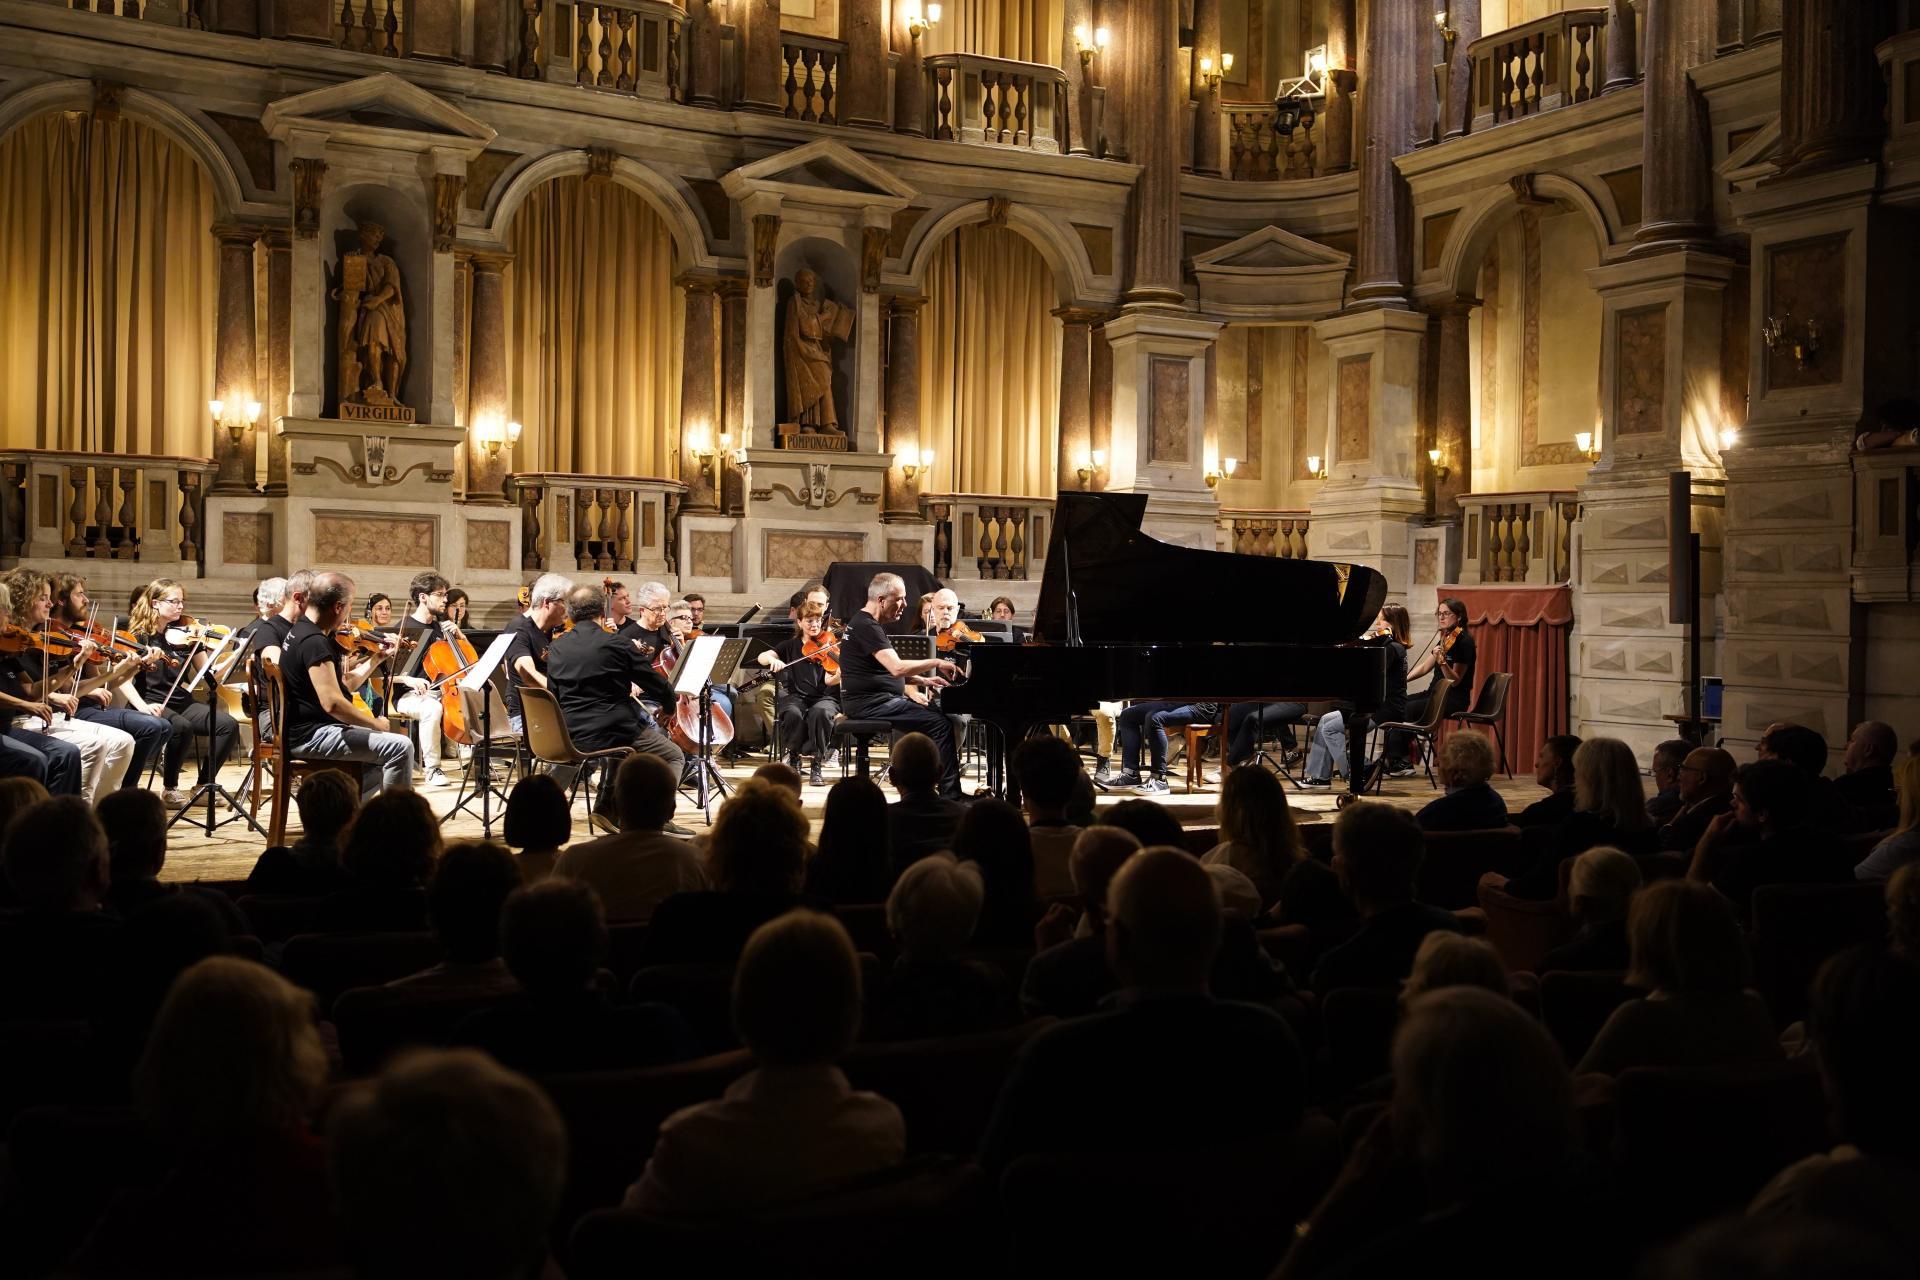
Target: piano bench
x,y
1196,734
862,733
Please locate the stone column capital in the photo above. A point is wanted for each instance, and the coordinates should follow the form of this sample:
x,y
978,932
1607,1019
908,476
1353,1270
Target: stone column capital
x,y
904,303
276,238
1087,316
237,234
490,261
701,284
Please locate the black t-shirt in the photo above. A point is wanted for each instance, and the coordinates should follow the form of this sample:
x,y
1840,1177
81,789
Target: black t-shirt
x,y
307,646
806,681
529,641
14,679
1462,655
630,629
157,681
860,672
590,673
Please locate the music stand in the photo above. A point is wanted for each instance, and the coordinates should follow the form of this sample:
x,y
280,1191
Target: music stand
x,y
209,677
479,678
709,660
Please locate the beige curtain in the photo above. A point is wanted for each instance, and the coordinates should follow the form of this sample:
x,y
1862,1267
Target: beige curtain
x,y
593,335
1026,30
990,366
107,288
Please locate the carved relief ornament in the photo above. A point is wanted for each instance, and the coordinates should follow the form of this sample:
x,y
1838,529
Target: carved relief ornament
x,y
766,243
308,177
873,252
449,189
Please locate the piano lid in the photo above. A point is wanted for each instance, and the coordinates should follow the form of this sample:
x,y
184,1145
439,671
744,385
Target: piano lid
x,y
1134,589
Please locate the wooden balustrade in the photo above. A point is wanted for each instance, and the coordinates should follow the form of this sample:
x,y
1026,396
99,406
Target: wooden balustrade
x,y
371,26
1518,537
1280,534
608,524
995,102
1538,66
1257,151
1001,533
184,13
627,46
87,506
810,68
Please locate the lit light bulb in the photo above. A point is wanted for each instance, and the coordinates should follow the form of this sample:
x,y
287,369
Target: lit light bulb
x,y
1313,463
1583,441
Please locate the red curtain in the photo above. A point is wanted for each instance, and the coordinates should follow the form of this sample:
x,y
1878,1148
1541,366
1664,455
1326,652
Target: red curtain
x,y
1523,631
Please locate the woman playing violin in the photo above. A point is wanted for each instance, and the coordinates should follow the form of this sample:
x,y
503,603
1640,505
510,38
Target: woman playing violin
x,y
1450,652
75,611
160,619
380,609
25,753
809,698
36,678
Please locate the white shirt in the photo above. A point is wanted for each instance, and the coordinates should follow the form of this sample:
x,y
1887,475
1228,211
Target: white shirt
x,y
633,871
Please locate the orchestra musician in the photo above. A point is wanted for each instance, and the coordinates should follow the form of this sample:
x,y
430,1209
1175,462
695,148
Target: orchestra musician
x,y
620,617
808,700
161,690
698,604
418,700
323,720
532,630
679,628
1151,720
150,731
1327,753
459,607
31,747
1001,610
873,678
380,609
1452,653
105,752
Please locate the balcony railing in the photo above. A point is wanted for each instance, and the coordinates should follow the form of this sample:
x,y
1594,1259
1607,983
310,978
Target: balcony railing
x,y
620,46
1518,537
1538,66
995,102
978,535
810,68
89,506
176,13
1281,534
1257,151
372,26
604,524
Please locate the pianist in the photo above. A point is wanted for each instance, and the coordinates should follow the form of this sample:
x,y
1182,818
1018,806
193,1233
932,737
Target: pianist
x,y
873,678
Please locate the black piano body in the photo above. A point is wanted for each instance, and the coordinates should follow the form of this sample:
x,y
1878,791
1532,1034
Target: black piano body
x,y
1125,616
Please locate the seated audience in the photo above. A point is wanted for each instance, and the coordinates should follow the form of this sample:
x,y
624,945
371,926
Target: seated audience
x,y
1705,791
1470,802
1068,976
1806,750
1599,892
782,775
1609,808
639,866
1864,1019
135,821
1688,956
1150,822
756,858
851,862
1552,769
1239,900
1258,834
53,948
1376,853
388,853
1902,845
231,1074
469,887
921,821
539,824
1667,759
1453,960
554,938
1048,770
932,989
1903,911
1767,837
310,867
1867,784
792,1127
446,1164
992,834
154,945
1166,1065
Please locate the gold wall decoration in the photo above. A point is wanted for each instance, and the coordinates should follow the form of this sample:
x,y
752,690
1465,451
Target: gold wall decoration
x,y
308,178
766,241
448,189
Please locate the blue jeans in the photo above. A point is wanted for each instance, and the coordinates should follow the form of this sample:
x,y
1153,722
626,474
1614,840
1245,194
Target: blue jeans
x,y
1152,720
50,762
1247,721
150,734
1328,754
392,751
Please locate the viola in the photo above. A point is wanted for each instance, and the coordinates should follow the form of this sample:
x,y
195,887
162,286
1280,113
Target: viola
x,y
448,657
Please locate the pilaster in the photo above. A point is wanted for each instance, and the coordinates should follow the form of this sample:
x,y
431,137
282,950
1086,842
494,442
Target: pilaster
x,y
899,503
235,382
1159,421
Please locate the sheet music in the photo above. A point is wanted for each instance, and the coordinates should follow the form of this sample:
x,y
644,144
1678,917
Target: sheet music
x,y
231,640
477,675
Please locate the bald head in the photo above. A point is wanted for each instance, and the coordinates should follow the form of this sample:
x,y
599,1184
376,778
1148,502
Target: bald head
x,y
1098,853
1163,921
946,607
1707,771
1871,745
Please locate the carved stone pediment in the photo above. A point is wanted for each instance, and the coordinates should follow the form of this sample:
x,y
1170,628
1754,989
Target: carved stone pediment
x,y
821,173
1753,160
1271,274
380,110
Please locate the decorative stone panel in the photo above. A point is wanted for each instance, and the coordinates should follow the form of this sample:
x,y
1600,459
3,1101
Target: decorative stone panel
x,y
411,542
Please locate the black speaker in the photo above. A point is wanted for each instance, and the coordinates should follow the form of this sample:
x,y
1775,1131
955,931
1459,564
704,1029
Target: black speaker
x,y
1680,587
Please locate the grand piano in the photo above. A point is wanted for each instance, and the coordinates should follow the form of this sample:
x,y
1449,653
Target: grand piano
x,y
1123,616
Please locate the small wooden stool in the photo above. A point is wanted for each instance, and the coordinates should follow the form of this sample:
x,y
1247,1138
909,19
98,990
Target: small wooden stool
x,y
1196,734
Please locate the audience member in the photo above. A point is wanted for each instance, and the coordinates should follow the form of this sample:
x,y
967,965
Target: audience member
x,y
782,775
554,936
231,1074
1149,821
1770,801
1376,853
1470,802
1599,892
640,866
1867,783
539,824
851,863
1806,750
1453,960
154,945
1609,807
310,867
1902,845
1239,900
1705,792
1903,911
17,793
921,821
388,852
792,1127
756,859
1258,834
1068,976
1552,769
1048,770
993,835
1667,759
135,821
52,950
1167,1065
446,1164
932,990
1737,1248
1687,954
469,887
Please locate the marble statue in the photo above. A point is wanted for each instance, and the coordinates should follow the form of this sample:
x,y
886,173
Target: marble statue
x,y
373,323
813,324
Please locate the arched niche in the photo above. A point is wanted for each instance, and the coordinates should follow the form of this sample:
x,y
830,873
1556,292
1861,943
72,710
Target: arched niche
x,y
1063,250
409,242
838,273
149,109
667,199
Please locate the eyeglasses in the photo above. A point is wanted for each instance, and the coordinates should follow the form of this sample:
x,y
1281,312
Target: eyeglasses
x,y
1689,768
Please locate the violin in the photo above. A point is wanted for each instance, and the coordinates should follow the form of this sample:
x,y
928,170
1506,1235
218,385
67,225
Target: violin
x,y
949,638
358,635
820,648
55,644
190,631
116,644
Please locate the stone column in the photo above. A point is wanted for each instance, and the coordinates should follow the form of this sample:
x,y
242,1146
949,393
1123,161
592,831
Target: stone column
x,y
757,29
232,17
487,377
1336,127
733,359
1830,112
1100,390
1076,398
1154,105
1623,47
278,243
863,81
1674,150
704,48
901,503
909,78
1453,407
1457,112
1077,138
701,416
1207,116
1390,68
234,380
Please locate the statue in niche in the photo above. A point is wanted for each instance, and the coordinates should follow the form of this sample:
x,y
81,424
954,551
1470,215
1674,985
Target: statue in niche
x,y
813,324
373,331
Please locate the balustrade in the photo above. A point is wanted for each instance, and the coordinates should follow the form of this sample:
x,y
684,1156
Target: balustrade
x,y
1518,537
1000,533
995,102
183,14
618,46
605,524
1280,534
1258,151
1538,66
810,70
86,506
371,26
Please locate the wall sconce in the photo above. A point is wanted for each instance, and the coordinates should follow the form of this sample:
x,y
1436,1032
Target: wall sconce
x,y
1588,443
1091,465
1440,470
1802,342
1090,40
921,19
1729,437
491,434
236,425
1315,469
914,461
1446,29
1227,467
1211,76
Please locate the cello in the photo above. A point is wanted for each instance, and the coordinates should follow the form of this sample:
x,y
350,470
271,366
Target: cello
x,y
449,656
683,726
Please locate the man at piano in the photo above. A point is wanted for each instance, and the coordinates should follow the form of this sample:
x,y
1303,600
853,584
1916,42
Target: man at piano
x,y
873,678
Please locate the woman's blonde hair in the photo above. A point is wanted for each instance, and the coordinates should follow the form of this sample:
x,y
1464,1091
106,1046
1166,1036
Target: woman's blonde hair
x,y
1682,936
1454,960
144,620
759,840
234,1051
1606,779
1467,759
1254,814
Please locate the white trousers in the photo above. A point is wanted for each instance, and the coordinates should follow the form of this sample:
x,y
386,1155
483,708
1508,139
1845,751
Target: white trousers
x,y
104,750
424,709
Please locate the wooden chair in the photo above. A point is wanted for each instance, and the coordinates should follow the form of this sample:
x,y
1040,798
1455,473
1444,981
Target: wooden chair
x,y
1195,737
549,742
270,705
1490,708
1423,730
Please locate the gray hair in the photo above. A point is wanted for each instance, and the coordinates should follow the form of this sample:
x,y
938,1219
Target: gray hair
x,y
883,584
300,582
547,588
1604,874
271,594
651,591
934,906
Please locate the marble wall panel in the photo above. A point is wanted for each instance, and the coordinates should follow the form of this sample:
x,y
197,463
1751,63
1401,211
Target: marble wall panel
x,y
246,537
408,541
1170,437
1786,609
1426,562
903,551
711,554
487,542
807,555
1640,377
1353,412
1803,279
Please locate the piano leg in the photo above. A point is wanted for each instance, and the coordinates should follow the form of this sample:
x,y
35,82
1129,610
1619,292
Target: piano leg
x,y
1358,723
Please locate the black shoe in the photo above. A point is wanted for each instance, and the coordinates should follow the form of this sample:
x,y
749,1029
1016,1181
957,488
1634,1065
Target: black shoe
x,y
1100,773
1118,782
815,777
1316,784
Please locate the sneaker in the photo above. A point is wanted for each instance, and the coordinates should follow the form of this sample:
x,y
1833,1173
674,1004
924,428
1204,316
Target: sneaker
x,y
675,829
815,778
1400,769
1152,787
1316,784
1118,782
174,798
604,823
1100,773
437,778
793,761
